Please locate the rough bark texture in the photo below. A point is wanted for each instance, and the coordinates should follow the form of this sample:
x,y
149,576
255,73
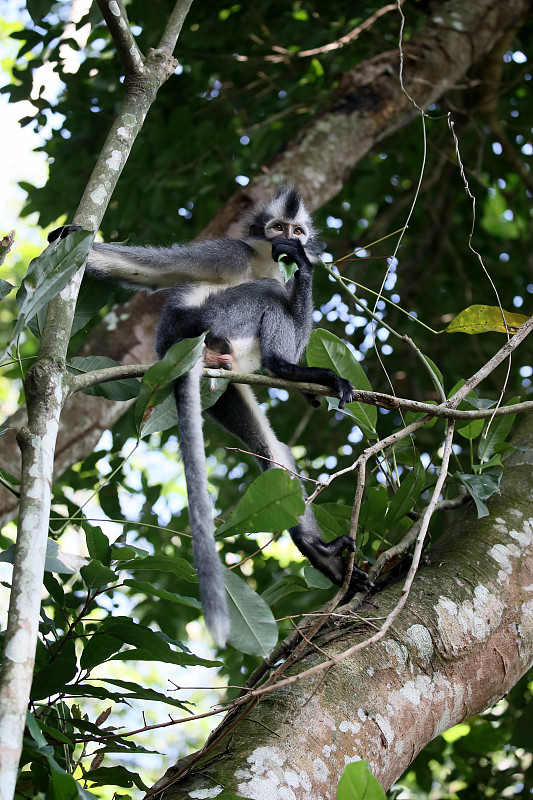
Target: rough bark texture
x,y
463,640
368,107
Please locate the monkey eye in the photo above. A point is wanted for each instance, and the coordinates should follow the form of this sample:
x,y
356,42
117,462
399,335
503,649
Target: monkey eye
x,y
277,227
299,231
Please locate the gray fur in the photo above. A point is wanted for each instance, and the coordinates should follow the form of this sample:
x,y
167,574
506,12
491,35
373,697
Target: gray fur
x,y
212,590
233,289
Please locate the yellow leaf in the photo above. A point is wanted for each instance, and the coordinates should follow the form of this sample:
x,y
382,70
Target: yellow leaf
x,y
481,319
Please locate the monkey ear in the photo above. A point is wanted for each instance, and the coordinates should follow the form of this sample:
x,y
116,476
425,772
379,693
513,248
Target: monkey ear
x,y
255,230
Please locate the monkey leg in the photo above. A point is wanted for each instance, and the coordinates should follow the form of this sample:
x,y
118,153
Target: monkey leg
x,y
238,411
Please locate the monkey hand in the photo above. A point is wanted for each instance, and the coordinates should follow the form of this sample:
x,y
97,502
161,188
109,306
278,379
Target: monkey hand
x,y
62,232
293,249
329,558
345,391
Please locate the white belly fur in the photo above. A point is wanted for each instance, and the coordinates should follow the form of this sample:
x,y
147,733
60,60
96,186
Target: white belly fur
x,y
246,354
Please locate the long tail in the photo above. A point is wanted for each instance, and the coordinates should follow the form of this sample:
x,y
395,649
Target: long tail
x,y
206,559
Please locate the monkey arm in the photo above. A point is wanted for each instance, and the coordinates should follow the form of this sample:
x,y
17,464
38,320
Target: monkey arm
x,y
218,261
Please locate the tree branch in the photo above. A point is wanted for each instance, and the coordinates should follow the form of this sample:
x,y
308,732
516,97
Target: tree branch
x,y
116,19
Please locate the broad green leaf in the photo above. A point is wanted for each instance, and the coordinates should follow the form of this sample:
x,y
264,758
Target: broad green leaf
x,y
374,509
496,434
437,377
137,692
48,274
115,776
5,288
152,591
481,319
158,381
53,678
170,657
253,627
95,574
62,786
481,487
358,783
471,430
163,563
7,476
97,542
329,352
123,389
93,297
163,417
316,579
147,645
287,585
407,495
108,499
210,390
287,267
332,521
52,562
34,729
121,551
272,502
98,649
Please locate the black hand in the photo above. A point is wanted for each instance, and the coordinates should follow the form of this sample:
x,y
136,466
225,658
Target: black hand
x,y
62,232
292,248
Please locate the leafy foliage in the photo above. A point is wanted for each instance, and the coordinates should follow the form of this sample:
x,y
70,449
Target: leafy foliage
x,y
231,104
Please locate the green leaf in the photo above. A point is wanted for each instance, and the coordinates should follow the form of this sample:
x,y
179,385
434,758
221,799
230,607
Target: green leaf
x,y
115,776
149,589
281,589
97,543
34,729
95,574
327,351
272,502
358,783
53,678
481,487
496,434
98,649
94,295
471,430
52,562
163,417
210,390
158,381
316,579
253,627
481,319
137,692
48,274
163,563
148,645
334,520
171,657
374,509
62,786
123,389
287,267
5,288
407,495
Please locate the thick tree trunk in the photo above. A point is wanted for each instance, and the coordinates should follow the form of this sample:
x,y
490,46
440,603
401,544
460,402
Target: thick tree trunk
x,y
369,105
463,640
